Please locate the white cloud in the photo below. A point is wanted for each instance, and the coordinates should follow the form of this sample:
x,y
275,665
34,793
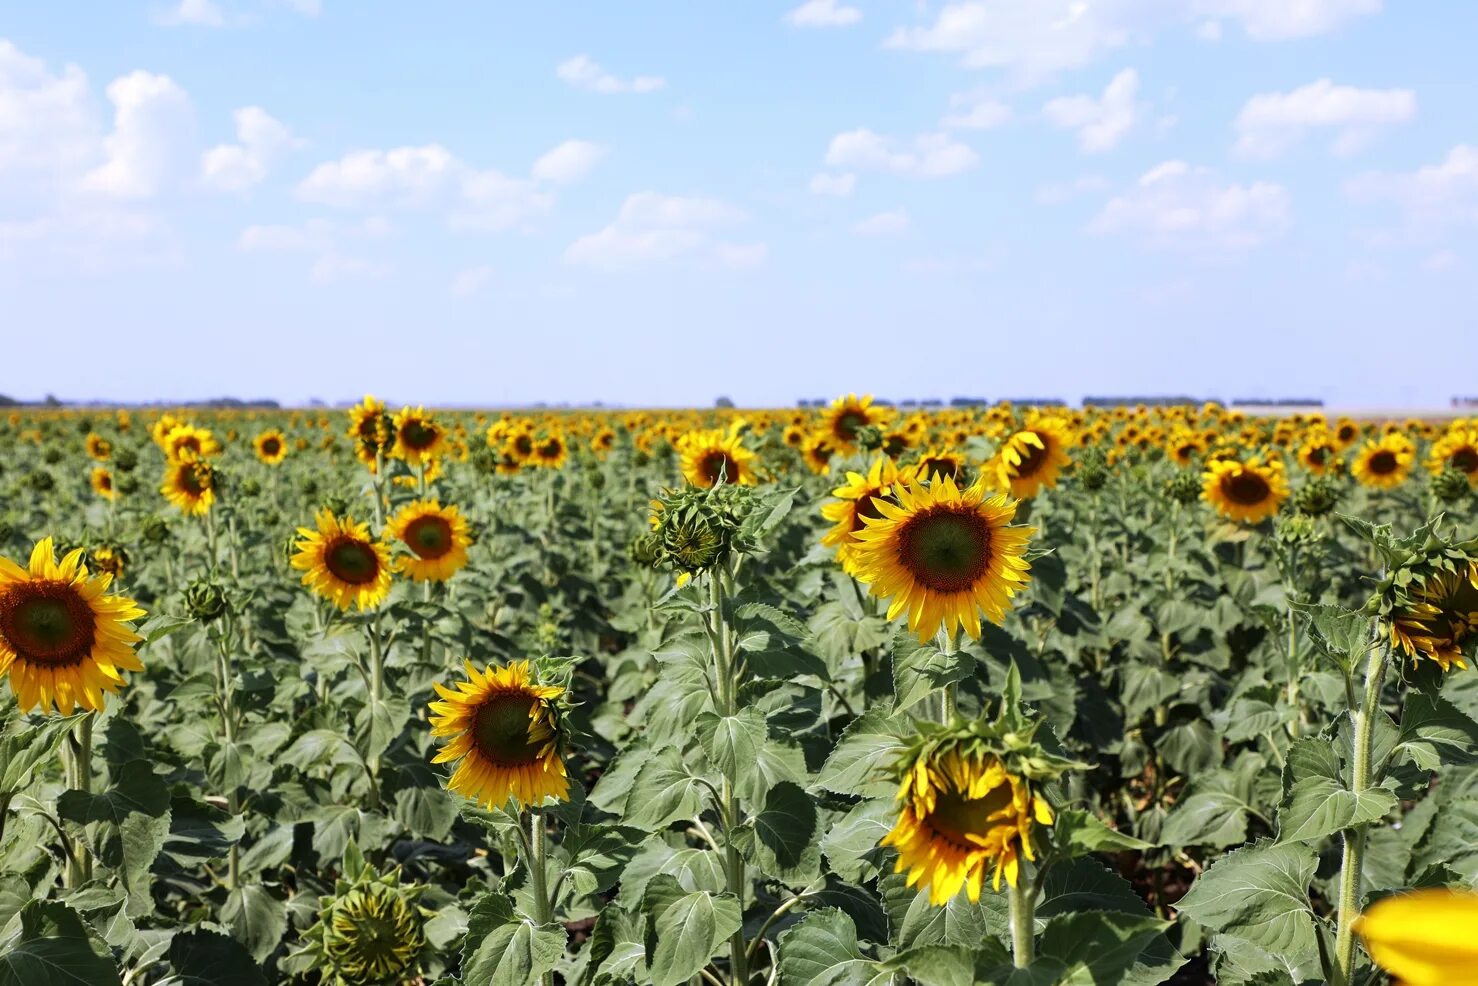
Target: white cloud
x,y
1281,20
263,140
568,162
91,240
471,281
1101,123
823,13
1430,198
308,8
582,72
1175,205
882,224
316,235
652,228
47,130
840,186
335,268
151,121
928,156
976,110
194,13
1056,193
493,201
1271,123
359,178
740,256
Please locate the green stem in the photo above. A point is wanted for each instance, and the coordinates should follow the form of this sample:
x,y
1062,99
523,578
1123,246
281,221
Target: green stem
x,y
733,861
1023,904
227,702
79,778
950,646
539,877
377,690
1360,776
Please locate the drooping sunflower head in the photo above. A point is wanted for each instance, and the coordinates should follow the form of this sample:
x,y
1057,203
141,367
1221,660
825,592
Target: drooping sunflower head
x,y
435,537
341,562
1439,622
854,504
64,642
1033,457
847,415
715,456
1385,463
1248,490
271,446
370,931
418,436
943,555
506,732
189,485
101,481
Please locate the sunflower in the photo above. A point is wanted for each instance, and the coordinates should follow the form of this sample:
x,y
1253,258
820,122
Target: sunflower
x,y
1384,464
1458,449
551,451
713,457
962,813
63,642
505,729
519,447
846,416
1033,457
271,447
1423,938
187,441
1185,447
110,559
1441,621
372,430
98,447
102,483
603,441
1250,491
437,537
817,453
938,463
855,503
418,437
1319,454
943,555
794,436
342,563
189,485
1346,432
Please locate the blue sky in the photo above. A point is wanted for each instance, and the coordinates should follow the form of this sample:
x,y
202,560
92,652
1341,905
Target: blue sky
x,y
661,202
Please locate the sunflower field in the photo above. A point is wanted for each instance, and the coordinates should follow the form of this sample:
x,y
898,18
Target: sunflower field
x,y
841,696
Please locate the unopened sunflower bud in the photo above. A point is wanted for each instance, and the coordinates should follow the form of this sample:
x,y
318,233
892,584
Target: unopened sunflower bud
x,y
125,459
1318,496
41,481
205,600
1184,488
153,530
1451,485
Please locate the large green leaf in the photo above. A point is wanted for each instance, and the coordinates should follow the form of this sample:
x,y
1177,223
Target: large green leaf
x,y
53,947
1317,803
1259,894
858,764
506,949
205,958
690,931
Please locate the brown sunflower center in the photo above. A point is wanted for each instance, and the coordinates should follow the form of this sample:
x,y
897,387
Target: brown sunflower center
x,y
189,442
523,444
945,549
716,466
419,435
271,446
1033,458
551,449
351,560
194,478
1383,463
895,445
1347,433
104,481
1245,488
865,508
937,468
430,536
47,623
847,424
501,729
956,817
1318,455
1465,459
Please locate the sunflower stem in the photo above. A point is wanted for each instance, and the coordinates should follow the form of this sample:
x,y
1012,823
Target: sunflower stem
x,y
228,728
1023,905
729,806
539,877
949,646
1360,776
78,771
376,690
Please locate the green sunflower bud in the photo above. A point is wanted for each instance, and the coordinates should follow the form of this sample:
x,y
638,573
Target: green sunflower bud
x,y
126,485
1451,485
1318,496
205,600
153,530
125,459
869,438
52,455
41,481
1184,487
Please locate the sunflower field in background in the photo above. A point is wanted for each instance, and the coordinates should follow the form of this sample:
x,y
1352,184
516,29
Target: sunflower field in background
x,y
854,695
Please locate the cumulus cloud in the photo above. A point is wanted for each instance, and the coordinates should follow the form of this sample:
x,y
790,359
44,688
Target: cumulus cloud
x,y
1430,198
839,186
262,141
192,13
823,13
47,129
1271,123
882,224
926,156
582,72
1101,123
652,228
359,178
569,161
151,122
976,110
1175,205
1282,20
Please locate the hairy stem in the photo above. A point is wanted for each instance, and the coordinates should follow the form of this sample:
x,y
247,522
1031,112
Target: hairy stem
x,y
1354,850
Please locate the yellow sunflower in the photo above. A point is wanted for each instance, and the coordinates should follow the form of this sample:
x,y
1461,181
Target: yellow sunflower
x,y
939,462
1458,449
342,563
943,555
847,415
418,437
186,441
964,813
551,451
711,457
371,429
505,730
1385,463
854,503
98,447
1319,454
1249,491
436,536
189,485
63,641
1185,447
1425,937
102,483
1346,433
271,447
817,453
1442,620
1033,457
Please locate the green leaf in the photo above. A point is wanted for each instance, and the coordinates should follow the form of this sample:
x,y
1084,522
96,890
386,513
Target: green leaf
x,y
28,742
867,748
1432,728
662,793
690,931
205,958
1210,818
199,832
1107,947
785,831
852,841
732,742
921,671
1339,635
1259,894
1077,832
255,918
505,949
1317,803
1085,884
53,947
822,948
380,722
135,789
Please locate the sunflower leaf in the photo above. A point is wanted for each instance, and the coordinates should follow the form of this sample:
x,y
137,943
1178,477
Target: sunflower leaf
x,y
1259,894
54,947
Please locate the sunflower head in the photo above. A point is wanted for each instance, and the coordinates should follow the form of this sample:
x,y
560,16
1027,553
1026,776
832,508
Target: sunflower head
x,y
1451,486
1427,599
854,504
205,599
271,447
110,559
1318,496
341,562
102,484
1385,463
1032,458
506,730
1249,490
418,437
698,529
847,416
435,539
712,457
190,484
370,931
